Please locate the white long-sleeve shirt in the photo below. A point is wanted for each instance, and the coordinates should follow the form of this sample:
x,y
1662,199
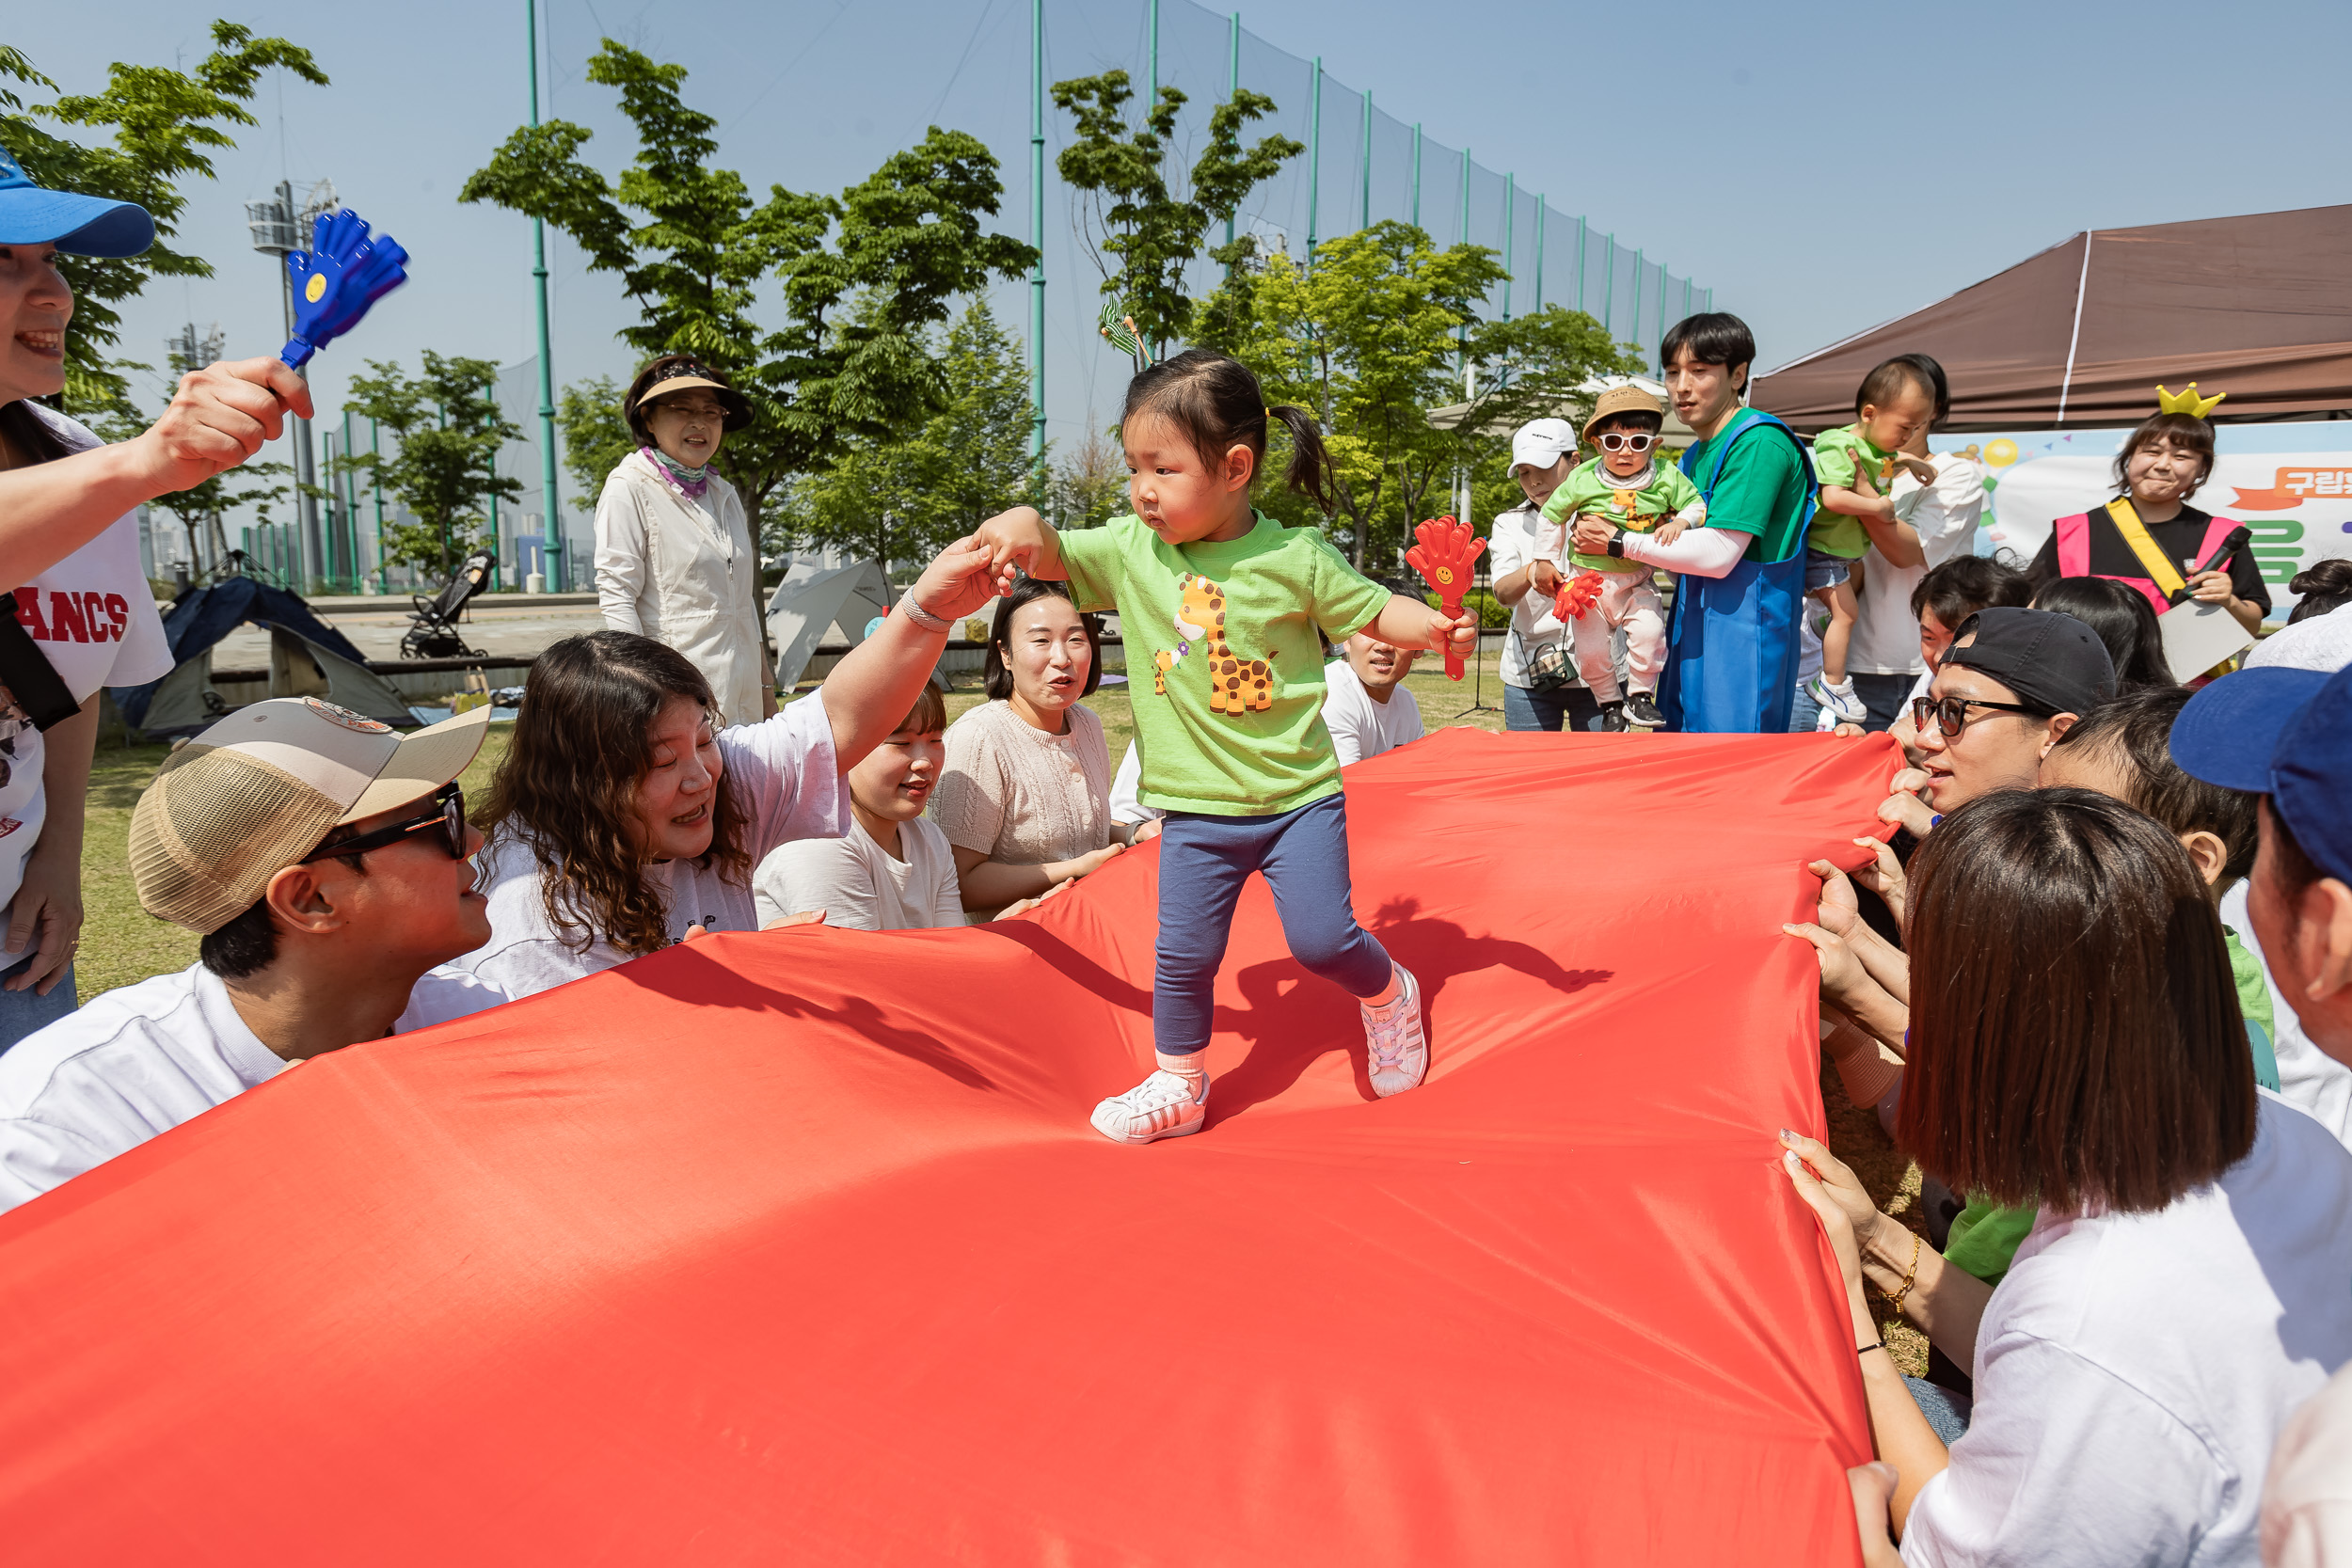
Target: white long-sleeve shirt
x,y
684,573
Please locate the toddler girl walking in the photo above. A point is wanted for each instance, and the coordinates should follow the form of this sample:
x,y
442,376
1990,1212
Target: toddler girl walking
x,y
1220,603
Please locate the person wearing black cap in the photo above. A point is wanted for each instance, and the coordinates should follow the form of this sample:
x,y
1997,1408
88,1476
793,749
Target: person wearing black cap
x,y
676,560
2012,683
2286,735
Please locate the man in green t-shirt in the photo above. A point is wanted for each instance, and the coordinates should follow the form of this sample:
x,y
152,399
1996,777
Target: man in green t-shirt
x,y
1731,653
1629,488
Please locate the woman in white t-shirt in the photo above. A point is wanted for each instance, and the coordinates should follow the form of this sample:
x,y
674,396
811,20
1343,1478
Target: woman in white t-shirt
x,y
90,617
894,870
2076,1044
624,819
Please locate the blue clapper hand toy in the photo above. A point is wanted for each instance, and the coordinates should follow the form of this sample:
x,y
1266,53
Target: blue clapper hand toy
x,y
334,281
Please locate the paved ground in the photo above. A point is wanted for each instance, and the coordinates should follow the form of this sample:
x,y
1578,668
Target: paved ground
x,y
516,628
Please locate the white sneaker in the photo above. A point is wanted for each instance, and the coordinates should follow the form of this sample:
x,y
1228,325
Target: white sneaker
x,y
1394,1038
1162,1106
1839,699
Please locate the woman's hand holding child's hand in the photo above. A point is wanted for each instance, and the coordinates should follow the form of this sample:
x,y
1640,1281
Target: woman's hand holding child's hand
x,y
960,578
1020,537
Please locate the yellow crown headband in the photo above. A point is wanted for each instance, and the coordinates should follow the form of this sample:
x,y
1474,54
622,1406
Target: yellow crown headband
x,y
2186,401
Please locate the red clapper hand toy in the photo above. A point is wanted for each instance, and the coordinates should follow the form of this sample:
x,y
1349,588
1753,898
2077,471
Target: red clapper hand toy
x,y
344,271
1444,557
1577,596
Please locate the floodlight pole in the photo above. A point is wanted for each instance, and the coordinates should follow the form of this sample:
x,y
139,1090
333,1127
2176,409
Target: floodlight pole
x,y
1037,237
1510,237
1364,213
1153,25
1541,202
1417,174
1315,158
551,523
1232,90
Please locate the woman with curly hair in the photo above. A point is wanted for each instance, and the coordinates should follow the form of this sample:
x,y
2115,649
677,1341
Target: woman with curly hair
x,y
624,817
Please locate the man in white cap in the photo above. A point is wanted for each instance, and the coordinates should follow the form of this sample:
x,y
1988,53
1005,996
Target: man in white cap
x,y
1541,688
324,859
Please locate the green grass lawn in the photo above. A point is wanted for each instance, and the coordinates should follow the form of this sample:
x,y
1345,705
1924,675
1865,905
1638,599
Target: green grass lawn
x,y
122,942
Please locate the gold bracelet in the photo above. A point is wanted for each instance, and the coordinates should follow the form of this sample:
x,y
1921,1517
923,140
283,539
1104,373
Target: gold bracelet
x,y
1909,1275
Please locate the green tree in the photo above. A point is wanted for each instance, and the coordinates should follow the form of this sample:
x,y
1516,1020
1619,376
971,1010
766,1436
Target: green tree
x,y
860,279
1366,339
1090,484
165,125
596,438
899,500
447,431
1134,217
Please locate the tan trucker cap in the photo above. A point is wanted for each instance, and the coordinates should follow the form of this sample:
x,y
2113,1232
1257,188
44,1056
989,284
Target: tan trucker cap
x,y
256,792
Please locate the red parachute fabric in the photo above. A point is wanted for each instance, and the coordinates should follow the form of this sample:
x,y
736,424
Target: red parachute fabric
x,y
797,1247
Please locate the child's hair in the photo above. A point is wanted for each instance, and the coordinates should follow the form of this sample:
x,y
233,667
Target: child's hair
x,y
2326,586
1967,583
2135,733
1632,418
995,675
2124,620
1218,405
2186,431
929,716
1887,381
1938,384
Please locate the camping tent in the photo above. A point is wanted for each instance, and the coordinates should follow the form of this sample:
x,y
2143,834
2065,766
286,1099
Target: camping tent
x,y
306,658
814,599
2258,307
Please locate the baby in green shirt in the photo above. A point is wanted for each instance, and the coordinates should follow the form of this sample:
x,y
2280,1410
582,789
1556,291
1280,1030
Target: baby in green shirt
x,y
1856,465
1629,488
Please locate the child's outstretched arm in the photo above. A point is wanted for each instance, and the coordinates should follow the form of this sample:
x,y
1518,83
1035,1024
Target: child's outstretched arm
x,y
1022,537
868,693
1406,623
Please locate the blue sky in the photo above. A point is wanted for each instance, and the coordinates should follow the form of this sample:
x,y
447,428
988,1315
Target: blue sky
x,y
1823,167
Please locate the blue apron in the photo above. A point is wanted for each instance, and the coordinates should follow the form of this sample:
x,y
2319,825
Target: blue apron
x,y
1731,657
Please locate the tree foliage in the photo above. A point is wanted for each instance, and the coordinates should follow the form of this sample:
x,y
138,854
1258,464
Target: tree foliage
x,y
905,499
163,125
1090,484
860,279
443,467
1134,217
1375,335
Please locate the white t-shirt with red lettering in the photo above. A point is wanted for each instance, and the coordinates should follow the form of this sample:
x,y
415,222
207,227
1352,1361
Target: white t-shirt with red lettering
x,y
94,616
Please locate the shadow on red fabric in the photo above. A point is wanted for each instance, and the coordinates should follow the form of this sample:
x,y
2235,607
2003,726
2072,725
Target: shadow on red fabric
x,y
797,1247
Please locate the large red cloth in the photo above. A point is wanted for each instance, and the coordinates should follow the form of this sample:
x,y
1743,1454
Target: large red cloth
x,y
797,1247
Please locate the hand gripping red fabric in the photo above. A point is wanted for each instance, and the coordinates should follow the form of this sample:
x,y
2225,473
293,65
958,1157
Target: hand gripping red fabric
x,y
1444,557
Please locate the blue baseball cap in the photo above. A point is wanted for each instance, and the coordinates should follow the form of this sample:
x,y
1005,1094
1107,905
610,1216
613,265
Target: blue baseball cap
x,y
2286,734
77,225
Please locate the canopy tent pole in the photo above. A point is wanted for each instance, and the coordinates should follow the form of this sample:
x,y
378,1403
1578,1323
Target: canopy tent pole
x,y
2074,340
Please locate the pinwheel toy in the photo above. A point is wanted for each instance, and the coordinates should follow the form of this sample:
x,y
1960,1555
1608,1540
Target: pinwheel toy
x,y
334,281
1444,556
1577,595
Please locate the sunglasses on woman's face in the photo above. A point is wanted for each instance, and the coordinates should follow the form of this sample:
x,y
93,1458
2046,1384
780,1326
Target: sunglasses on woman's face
x,y
1950,714
447,813
1615,441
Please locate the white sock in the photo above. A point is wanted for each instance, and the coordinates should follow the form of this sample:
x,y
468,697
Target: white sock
x,y
1186,1067
1394,989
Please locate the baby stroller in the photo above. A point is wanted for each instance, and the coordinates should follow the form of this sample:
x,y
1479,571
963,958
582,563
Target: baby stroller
x,y
433,629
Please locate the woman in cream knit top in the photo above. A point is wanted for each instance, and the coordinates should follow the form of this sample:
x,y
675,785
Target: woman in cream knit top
x,y
1025,796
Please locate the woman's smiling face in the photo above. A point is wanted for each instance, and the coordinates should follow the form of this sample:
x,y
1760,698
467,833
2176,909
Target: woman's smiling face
x,y
36,303
677,795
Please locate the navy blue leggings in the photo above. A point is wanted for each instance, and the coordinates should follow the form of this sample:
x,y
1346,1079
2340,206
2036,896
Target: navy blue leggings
x,y
1203,863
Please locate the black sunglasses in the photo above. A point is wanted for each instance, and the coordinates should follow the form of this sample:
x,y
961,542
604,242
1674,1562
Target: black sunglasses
x,y
448,813
1951,713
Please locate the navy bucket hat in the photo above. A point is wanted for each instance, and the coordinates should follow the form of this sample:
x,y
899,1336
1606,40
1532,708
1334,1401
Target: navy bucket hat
x,y
77,225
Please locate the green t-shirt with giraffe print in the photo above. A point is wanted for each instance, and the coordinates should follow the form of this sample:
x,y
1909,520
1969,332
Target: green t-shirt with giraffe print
x,y
1222,663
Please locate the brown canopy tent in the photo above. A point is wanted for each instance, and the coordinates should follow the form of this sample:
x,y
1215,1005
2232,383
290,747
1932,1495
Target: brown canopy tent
x,y
2257,307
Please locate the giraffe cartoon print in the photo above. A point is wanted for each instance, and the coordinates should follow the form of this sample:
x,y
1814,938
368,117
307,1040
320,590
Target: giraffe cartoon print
x,y
1237,685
